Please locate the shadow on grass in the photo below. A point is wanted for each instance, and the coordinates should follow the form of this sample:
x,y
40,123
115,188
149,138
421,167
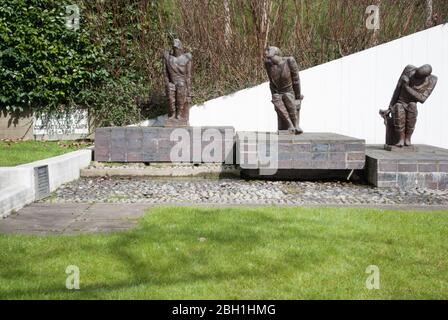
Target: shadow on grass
x,y
166,252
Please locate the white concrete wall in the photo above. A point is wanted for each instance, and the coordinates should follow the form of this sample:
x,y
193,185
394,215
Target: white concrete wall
x,y
64,168
16,189
10,176
17,186
344,95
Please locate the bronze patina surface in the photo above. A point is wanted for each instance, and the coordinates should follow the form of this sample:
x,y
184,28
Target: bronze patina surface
x,y
283,73
415,85
178,65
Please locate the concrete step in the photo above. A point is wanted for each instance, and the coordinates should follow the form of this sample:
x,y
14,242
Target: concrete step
x,y
162,170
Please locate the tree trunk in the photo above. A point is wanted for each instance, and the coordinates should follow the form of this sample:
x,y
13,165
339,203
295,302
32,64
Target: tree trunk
x,y
261,10
227,23
429,14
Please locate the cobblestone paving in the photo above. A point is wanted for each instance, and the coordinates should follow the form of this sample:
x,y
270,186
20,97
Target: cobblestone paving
x,y
207,191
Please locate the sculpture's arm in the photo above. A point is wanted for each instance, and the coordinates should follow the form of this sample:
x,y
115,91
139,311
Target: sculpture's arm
x,y
396,94
271,85
294,69
189,74
420,97
166,73
405,75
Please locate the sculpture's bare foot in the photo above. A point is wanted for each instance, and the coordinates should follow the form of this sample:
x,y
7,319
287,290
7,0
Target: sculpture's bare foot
x,y
400,144
292,130
407,143
299,130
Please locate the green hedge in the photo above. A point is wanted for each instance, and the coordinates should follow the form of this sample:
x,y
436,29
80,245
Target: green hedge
x,y
43,64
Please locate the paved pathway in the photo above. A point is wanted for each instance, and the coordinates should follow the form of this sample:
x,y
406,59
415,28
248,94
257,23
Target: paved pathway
x,y
70,219
43,219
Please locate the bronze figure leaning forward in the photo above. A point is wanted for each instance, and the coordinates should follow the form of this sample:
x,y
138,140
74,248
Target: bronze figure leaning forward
x,y
283,73
415,85
178,67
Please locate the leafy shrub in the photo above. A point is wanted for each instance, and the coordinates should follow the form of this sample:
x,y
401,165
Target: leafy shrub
x,y
43,64
116,102
133,39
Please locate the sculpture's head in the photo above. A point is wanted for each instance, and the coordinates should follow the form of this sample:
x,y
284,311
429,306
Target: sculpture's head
x,y
423,72
273,54
178,48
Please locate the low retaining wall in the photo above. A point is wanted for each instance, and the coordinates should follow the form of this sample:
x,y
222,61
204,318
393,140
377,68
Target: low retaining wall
x,y
16,189
64,168
19,185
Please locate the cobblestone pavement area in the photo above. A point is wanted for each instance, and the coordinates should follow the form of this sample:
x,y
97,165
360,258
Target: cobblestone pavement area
x,y
235,191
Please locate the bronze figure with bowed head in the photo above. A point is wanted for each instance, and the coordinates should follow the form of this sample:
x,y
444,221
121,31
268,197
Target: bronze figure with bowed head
x,y
178,67
415,85
283,73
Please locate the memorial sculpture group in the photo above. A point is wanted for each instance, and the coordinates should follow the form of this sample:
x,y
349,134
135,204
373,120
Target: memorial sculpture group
x,y
306,154
415,85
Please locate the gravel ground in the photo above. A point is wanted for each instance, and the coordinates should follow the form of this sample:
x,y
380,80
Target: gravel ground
x,y
207,191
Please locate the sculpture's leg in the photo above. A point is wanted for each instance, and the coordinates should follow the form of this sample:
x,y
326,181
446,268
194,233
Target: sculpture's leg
x,y
184,112
291,107
411,120
399,116
181,99
171,94
299,130
283,115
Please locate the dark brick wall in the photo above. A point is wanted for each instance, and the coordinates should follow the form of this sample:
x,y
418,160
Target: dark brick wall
x,y
155,144
307,151
425,168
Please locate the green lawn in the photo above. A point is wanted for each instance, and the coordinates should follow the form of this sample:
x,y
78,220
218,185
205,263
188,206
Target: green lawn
x,y
269,253
13,153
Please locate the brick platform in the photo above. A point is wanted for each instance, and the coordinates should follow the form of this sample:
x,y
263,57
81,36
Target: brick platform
x,y
427,167
308,151
156,144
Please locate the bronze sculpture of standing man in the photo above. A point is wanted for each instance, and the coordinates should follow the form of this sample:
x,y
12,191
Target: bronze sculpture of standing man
x,y
178,67
283,73
415,85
